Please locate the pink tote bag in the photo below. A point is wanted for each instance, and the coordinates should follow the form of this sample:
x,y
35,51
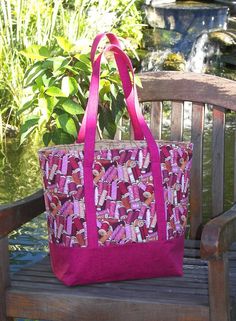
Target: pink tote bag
x,y
116,210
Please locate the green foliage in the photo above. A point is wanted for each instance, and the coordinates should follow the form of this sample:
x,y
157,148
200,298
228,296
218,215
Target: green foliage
x,y
57,88
32,30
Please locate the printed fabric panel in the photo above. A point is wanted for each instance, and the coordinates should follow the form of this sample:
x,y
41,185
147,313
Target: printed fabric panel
x,y
124,194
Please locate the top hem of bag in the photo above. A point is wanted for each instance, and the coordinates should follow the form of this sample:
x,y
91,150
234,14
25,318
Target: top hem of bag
x,y
111,144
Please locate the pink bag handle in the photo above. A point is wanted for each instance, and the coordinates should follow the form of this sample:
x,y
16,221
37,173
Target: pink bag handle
x,y
113,40
89,147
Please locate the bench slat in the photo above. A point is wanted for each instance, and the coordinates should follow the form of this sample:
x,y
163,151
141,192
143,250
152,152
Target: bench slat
x,y
55,306
156,119
177,113
218,160
234,166
196,171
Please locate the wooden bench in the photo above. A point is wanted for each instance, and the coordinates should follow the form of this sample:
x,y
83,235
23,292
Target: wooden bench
x,y
208,289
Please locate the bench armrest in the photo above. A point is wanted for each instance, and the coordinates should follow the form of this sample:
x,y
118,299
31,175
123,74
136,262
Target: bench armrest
x,y
218,235
14,215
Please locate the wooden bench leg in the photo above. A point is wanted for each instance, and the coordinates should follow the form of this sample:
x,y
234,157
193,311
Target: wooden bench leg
x,y
219,299
4,277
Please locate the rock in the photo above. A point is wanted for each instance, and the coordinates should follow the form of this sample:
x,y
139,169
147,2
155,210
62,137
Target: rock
x,y
232,23
174,61
155,3
163,60
186,17
229,3
154,60
159,38
225,38
229,59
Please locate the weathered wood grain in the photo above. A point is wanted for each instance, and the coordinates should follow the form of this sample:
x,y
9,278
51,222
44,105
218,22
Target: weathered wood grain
x,y
90,307
14,215
196,170
218,235
188,86
177,117
218,135
219,289
156,119
234,166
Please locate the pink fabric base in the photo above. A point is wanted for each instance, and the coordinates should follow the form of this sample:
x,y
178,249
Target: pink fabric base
x,y
77,266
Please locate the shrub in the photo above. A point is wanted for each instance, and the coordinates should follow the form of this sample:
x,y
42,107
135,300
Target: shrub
x,y
24,24
58,90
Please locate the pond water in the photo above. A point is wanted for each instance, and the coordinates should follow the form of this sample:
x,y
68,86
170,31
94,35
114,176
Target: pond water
x,y
20,176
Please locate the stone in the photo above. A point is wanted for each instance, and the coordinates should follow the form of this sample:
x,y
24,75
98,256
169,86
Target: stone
x,y
160,38
188,19
154,60
155,3
174,61
163,60
225,38
230,3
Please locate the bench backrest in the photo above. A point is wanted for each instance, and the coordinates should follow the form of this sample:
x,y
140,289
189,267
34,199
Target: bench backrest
x,y
197,92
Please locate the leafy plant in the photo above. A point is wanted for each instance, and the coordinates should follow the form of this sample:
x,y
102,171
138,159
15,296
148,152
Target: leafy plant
x,y
58,87
40,25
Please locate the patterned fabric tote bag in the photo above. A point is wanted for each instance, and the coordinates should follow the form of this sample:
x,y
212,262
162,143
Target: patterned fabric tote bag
x,y
116,210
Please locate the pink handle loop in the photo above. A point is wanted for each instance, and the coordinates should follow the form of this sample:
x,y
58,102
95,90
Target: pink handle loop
x,y
113,40
89,147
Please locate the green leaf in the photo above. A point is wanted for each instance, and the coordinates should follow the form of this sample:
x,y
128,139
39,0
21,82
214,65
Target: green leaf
x,y
28,127
36,52
46,80
107,123
72,70
104,89
64,43
83,67
47,138
51,103
118,107
29,104
65,122
47,64
47,103
72,107
55,92
59,63
60,137
33,73
137,81
84,58
39,83
113,90
69,86
104,73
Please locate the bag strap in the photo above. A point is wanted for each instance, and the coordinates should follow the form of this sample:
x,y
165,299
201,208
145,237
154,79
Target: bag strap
x,y
111,37
113,40
89,147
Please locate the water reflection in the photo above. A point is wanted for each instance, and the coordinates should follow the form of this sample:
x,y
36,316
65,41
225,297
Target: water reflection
x,y
20,177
